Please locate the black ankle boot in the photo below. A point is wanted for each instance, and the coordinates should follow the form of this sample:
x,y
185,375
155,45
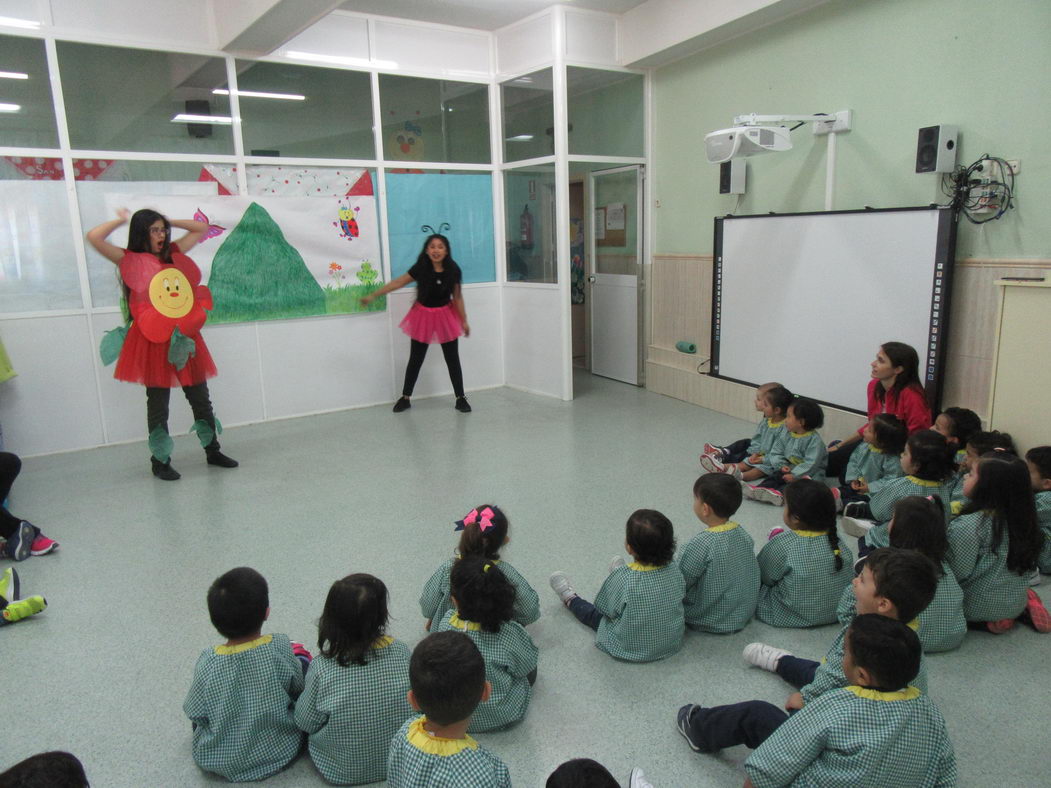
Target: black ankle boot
x,y
216,457
402,404
462,405
164,470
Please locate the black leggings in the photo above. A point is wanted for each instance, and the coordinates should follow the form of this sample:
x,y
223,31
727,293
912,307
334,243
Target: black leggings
x,y
418,351
157,408
10,465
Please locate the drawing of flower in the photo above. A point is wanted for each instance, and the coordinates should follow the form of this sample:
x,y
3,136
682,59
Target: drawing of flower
x,y
335,270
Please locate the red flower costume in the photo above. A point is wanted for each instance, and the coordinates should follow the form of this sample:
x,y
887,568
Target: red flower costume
x,y
163,297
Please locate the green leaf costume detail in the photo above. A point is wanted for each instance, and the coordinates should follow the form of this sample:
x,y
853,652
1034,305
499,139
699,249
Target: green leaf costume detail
x,y
112,342
205,433
180,349
161,444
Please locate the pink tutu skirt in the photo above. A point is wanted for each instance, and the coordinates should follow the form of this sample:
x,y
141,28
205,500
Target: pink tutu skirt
x,y
432,324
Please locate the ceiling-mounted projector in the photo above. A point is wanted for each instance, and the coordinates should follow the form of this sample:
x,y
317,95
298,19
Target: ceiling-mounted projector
x,y
726,144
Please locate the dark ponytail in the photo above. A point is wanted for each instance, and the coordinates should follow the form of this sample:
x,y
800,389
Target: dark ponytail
x,y
812,504
833,543
483,593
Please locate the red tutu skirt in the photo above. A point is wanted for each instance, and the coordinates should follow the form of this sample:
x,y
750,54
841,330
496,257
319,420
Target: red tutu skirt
x,y
145,362
432,324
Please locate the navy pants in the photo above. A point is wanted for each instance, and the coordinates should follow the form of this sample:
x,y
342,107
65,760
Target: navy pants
x,y
585,612
749,723
736,451
797,671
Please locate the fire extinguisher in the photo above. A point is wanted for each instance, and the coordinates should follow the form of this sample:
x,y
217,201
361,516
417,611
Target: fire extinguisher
x,y
525,229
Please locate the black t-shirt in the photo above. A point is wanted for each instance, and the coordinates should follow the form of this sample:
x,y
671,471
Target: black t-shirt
x,y
435,289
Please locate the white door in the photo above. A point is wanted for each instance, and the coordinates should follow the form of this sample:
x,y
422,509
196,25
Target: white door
x,y
616,254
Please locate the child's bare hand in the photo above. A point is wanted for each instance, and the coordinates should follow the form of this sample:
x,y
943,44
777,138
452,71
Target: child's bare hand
x,y
794,702
859,486
789,477
755,459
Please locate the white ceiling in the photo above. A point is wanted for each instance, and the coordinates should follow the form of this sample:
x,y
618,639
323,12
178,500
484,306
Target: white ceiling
x,y
479,14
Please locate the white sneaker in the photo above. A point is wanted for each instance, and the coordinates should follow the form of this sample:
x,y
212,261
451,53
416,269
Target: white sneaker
x,y
714,451
734,471
763,656
766,495
855,526
1034,579
712,464
562,586
616,563
748,491
638,779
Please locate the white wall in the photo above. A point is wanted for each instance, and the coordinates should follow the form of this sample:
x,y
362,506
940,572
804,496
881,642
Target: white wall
x,y
534,339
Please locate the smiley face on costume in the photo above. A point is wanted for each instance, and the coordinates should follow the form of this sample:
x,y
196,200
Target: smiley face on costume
x,y
171,293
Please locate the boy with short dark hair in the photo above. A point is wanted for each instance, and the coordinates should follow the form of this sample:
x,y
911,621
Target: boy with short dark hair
x,y
447,675
242,699
875,730
719,564
895,583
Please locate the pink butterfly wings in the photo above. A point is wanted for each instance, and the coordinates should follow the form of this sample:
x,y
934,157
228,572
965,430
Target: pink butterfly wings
x,y
213,229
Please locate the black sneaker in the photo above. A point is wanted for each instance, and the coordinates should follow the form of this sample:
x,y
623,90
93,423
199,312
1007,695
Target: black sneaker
x,y
857,509
216,457
682,720
164,470
462,405
402,404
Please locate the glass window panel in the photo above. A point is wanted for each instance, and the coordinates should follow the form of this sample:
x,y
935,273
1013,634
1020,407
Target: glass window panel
x,y
332,119
616,201
28,120
529,197
434,120
459,205
529,116
605,112
127,99
38,263
104,185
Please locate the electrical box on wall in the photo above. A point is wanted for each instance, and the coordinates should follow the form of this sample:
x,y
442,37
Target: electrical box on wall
x,y
732,177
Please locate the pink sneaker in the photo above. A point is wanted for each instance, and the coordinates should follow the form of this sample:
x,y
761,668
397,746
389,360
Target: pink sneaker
x,y
839,498
774,532
766,495
42,546
712,450
1001,626
1036,613
712,464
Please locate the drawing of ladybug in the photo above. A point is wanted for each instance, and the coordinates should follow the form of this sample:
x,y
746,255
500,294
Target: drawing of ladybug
x,y
348,224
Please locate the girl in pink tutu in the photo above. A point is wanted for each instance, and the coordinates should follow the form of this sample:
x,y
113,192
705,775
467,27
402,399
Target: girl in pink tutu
x,y
438,315
167,304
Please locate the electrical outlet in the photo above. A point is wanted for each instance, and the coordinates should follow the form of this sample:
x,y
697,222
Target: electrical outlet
x,y
1015,165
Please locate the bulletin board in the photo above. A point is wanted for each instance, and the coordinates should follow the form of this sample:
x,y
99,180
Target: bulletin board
x,y
611,222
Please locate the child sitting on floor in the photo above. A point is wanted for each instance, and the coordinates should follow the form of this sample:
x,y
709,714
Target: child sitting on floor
x,y
355,695
447,674
957,425
919,524
483,600
977,444
899,584
243,694
804,569
483,533
875,730
638,613
994,545
719,564
747,462
875,461
800,453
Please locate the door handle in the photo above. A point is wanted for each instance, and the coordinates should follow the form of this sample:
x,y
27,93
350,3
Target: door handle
x,y
591,278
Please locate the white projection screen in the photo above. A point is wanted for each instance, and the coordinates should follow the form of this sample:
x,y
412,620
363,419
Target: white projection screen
x,y
807,299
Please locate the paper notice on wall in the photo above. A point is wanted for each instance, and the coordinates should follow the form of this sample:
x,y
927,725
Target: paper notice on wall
x,y
615,216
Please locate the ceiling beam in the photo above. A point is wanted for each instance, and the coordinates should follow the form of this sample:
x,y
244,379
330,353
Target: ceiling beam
x,y
254,28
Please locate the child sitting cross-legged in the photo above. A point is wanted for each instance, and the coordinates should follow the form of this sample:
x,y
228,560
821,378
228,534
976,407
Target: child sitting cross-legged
x,y
805,568
876,729
957,425
243,694
919,524
355,695
484,601
638,613
746,459
876,461
1038,460
718,564
978,443
447,674
799,453
894,583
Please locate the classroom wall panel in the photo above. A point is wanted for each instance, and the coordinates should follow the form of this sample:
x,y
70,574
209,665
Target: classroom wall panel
x,y
456,53
533,339
525,46
591,38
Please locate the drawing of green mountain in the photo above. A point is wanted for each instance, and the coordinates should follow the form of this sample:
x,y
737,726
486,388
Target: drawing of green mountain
x,y
257,275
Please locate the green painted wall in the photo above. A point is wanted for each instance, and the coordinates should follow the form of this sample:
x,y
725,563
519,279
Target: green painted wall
x,y
900,65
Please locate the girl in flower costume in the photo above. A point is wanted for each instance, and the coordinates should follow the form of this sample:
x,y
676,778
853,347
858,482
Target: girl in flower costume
x,y
162,348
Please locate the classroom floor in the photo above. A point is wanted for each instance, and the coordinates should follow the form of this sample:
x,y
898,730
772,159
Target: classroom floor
x,y
104,671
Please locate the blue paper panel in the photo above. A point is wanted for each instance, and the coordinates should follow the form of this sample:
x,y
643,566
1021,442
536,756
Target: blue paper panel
x,y
462,201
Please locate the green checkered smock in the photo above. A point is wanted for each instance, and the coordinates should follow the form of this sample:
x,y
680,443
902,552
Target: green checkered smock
x,y
722,579
856,737
241,702
801,586
510,656
991,591
642,615
872,464
418,759
435,603
830,675
942,623
767,434
351,713
803,452
882,503
1043,517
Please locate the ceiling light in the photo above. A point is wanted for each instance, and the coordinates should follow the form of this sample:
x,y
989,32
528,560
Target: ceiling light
x,y
519,138
13,75
259,94
341,61
10,107
185,117
10,21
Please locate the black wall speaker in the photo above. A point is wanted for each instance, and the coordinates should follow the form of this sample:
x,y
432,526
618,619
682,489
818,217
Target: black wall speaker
x,y
198,107
936,148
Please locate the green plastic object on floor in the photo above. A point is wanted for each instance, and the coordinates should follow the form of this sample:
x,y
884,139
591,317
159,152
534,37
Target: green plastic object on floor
x,y
685,347
112,342
180,349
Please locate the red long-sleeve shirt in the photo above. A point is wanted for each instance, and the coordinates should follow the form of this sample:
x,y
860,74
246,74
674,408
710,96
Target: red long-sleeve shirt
x,y
909,405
